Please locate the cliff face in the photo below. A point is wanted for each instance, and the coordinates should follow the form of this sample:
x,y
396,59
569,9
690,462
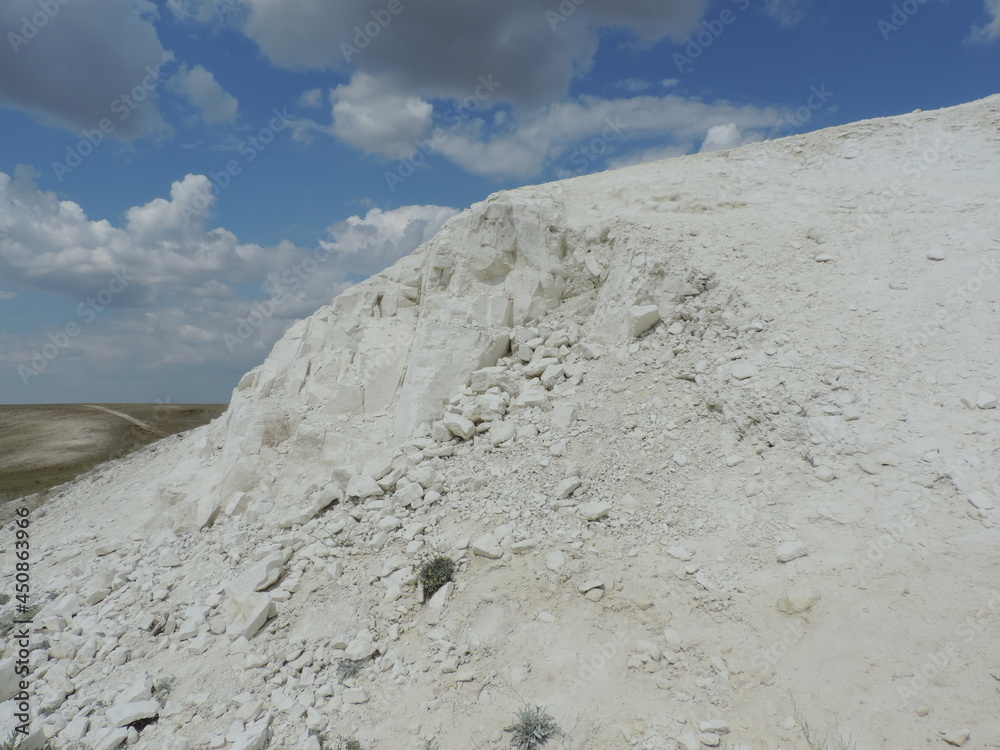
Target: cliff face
x,y
384,356
713,442
388,353
380,361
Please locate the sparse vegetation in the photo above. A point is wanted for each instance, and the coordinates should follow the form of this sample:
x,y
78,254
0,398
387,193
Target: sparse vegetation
x,y
349,743
533,729
843,744
812,738
162,688
436,573
808,734
347,538
4,598
7,621
13,739
348,668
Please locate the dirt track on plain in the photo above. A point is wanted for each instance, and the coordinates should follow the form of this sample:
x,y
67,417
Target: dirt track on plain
x,y
42,446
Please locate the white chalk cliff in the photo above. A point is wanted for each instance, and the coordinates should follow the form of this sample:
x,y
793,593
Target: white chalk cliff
x,y
713,440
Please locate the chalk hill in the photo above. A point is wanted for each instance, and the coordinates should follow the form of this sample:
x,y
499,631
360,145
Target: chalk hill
x,y
713,441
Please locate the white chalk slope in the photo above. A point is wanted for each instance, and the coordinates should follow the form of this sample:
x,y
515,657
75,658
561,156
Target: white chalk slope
x,y
714,441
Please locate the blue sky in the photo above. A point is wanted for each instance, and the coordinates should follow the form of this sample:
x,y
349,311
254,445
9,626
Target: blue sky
x,y
180,180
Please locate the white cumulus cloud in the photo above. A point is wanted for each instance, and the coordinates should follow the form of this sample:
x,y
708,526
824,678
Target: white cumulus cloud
x,y
366,245
990,31
786,12
199,87
312,98
590,132
721,137
370,115
186,285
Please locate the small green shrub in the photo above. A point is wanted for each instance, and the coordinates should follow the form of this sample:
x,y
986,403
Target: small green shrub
x,y
7,621
162,688
349,743
436,573
347,538
533,729
4,598
348,668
